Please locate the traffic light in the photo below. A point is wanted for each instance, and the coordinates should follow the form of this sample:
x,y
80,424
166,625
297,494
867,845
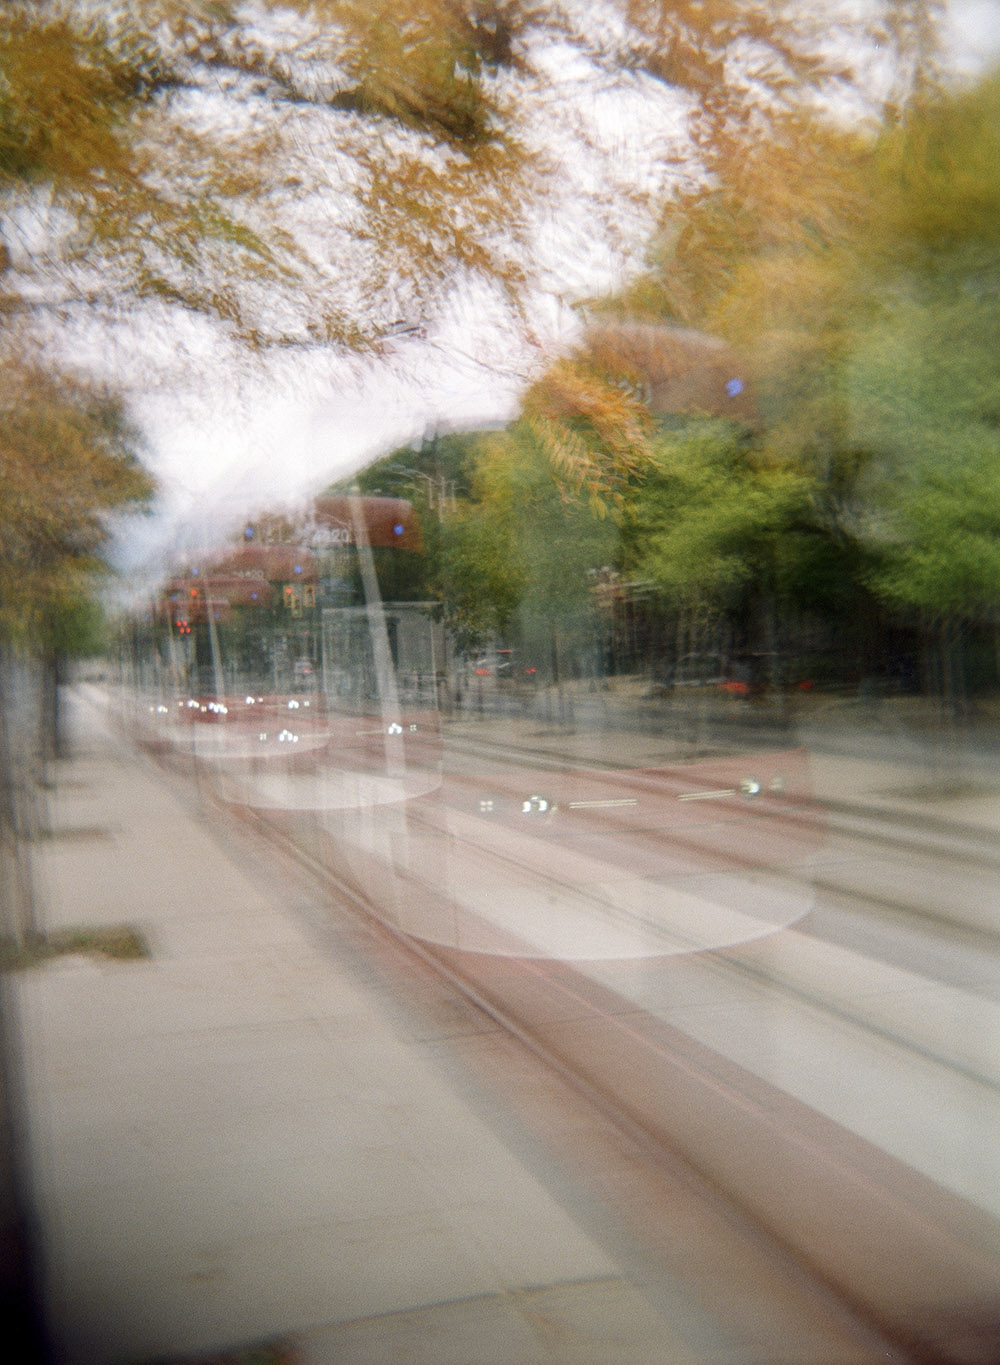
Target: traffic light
x,y
183,626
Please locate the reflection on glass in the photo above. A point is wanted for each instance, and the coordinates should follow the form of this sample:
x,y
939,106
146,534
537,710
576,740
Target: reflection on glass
x,y
590,735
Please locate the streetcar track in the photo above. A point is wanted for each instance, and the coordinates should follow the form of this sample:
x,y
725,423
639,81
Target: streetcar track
x,y
886,1336
728,954
671,1161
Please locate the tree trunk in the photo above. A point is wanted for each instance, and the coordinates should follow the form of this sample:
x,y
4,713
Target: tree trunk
x,y
52,737
17,899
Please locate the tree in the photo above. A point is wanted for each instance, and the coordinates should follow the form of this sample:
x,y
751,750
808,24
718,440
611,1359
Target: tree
x,y
528,512
854,266
312,170
923,376
879,372
68,462
479,576
304,175
702,527
308,173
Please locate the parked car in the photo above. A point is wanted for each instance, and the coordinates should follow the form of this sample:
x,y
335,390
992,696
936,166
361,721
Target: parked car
x,y
502,668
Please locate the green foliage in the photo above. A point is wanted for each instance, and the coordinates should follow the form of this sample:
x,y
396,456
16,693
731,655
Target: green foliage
x,y
707,524
512,527
940,169
862,279
922,376
431,474
479,576
75,627
558,532
944,553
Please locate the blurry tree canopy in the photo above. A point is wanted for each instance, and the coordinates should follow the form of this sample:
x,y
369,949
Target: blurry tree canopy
x,y
469,563
311,170
296,170
924,378
858,272
479,577
512,526
515,557
68,460
706,525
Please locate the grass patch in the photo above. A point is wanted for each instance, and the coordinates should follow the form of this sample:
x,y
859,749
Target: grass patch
x,y
263,1353
947,789
120,942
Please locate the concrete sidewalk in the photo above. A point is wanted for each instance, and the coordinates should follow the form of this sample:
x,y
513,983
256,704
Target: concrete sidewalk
x,y
241,1139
